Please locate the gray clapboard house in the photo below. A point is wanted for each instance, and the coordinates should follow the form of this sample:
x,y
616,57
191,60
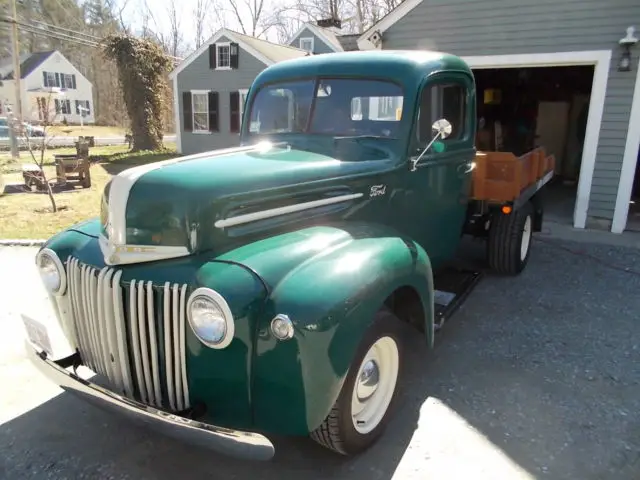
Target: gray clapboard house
x,y
324,36
210,87
564,72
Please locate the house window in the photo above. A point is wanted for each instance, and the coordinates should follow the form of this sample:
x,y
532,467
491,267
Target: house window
x,y
68,81
82,107
49,79
243,100
223,55
439,101
63,106
200,108
306,44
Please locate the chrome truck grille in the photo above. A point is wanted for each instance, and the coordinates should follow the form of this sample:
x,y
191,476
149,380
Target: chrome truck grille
x,y
132,334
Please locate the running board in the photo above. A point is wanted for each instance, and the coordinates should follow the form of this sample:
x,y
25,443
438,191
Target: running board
x,y
452,287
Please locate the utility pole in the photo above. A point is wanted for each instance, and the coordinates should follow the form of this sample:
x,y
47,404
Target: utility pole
x,y
16,75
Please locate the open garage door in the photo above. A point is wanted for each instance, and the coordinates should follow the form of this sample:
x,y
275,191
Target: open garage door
x,y
554,100
522,108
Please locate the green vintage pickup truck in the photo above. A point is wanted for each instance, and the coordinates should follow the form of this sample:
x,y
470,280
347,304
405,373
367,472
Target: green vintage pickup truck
x,y
228,295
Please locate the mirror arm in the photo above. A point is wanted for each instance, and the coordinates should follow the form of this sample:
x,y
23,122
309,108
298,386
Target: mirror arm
x,y
414,161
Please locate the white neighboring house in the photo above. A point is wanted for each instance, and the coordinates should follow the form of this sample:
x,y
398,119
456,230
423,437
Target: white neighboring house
x,y
41,74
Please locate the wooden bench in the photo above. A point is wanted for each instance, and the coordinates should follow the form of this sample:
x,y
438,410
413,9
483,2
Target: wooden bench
x,y
74,168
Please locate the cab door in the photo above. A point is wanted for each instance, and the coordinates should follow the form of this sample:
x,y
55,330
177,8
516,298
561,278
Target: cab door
x,y
440,180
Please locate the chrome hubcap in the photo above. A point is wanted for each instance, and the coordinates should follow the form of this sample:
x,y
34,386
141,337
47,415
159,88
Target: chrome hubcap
x,y
368,381
374,385
526,238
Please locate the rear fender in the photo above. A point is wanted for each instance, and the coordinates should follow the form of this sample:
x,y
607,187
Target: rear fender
x,y
331,299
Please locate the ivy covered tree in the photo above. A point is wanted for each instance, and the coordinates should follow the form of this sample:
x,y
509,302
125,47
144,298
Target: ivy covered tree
x,y
142,66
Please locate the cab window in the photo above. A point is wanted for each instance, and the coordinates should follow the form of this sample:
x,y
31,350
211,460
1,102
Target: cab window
x,y
442,100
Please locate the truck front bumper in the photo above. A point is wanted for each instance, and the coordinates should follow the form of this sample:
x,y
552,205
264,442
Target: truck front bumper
x,y
229,442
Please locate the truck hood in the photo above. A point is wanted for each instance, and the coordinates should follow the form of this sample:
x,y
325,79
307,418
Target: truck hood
x,y
223,199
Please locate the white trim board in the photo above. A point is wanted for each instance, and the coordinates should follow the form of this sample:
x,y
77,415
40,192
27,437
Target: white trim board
x,y
223,32
176,114
621,211
386,22
601,59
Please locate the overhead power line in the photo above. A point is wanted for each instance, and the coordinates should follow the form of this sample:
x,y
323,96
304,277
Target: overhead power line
x,y
73,35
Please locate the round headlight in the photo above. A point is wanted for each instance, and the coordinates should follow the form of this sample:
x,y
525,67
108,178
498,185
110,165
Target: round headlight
x,y
51,271
210,318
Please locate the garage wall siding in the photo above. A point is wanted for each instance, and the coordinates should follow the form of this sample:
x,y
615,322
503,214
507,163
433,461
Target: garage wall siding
x,y
502,27
198,76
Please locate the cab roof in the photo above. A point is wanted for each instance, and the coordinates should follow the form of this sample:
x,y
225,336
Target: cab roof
x,y
405,66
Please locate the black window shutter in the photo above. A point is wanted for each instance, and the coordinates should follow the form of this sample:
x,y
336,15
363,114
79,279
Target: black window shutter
x,y
234,122
73,81
212,56
88,107
234,53
213,112
57,79
44,79
77,107
57,105
186,112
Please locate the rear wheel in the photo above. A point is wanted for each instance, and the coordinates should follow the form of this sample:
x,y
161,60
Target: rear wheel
x,y
510,238
362,410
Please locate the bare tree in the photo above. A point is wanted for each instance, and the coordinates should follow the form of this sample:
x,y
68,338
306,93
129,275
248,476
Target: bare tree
x,y
252,16
37,146
201,14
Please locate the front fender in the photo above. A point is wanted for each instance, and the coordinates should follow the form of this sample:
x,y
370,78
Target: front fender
x,y
331,297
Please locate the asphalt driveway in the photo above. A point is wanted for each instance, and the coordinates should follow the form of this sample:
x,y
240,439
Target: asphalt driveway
x,y
535,377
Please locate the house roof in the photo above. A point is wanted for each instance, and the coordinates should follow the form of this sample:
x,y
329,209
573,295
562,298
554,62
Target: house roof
x,y
265,51
28,63
349,42
386,22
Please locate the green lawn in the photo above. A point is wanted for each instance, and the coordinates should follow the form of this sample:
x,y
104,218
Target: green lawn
x,y
27,215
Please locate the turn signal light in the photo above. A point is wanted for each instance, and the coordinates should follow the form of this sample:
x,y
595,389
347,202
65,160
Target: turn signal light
x,y
506,209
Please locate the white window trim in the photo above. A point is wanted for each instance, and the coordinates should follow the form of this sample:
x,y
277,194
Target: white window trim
x,y
307,39
241,92
193,113
628,172
218,45
601,60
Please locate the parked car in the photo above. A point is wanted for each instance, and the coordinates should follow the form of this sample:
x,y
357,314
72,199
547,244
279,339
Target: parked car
x,y
236,293
33,130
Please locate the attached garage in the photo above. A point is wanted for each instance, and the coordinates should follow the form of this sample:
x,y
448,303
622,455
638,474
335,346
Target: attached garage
x,y
553,74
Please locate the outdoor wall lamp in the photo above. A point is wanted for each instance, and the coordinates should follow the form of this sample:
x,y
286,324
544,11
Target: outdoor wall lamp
x,y
624,65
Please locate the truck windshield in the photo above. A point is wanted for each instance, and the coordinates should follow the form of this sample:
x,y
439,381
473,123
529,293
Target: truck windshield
x,y
336,107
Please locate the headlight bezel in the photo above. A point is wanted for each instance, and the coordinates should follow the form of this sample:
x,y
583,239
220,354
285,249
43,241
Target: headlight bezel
x,y
53,256
219,301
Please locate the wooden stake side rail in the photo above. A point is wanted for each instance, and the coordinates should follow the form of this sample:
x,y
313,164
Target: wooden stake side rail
x,y
502,177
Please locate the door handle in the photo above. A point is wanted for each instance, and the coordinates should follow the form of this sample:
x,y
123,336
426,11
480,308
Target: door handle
x,y
465,168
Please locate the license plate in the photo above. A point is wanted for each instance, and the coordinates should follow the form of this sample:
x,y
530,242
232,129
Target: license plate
x,y
37,334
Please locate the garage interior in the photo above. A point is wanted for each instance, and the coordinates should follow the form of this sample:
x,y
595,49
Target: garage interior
x,y
520,109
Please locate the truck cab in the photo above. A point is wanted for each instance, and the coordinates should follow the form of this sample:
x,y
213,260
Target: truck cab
x,y
374,112
260,289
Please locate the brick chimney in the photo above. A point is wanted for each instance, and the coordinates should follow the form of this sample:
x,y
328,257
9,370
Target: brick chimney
x,y
333,24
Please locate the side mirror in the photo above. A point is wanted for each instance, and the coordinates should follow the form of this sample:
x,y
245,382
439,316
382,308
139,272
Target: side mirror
x,y
443,129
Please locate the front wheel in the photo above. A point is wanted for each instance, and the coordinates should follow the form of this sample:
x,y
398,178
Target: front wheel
x,y
362,410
